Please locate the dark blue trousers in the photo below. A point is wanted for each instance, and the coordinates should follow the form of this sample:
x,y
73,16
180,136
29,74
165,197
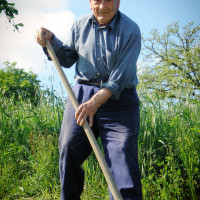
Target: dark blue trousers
x,y
117,124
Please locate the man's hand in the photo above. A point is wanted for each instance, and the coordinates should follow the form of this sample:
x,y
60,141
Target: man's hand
x,y
84,111
89,108
43,34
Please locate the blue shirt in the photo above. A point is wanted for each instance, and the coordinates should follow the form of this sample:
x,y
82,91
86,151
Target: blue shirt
x,y
102,52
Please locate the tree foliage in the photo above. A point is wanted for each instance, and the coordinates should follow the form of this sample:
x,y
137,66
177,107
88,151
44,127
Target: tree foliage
x,y
10,12
171,64
17,83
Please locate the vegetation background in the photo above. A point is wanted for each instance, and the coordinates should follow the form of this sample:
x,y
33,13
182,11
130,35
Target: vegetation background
x,y
169,140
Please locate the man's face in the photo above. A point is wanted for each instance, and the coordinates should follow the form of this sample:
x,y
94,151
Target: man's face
x,y
104,10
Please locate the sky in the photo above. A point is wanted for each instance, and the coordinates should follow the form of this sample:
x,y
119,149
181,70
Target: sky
x,y
58,16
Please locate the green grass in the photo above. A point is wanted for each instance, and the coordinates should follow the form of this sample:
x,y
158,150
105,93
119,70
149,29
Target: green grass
x,y
169,149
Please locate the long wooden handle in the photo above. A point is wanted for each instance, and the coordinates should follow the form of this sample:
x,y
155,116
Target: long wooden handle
x,y
113,188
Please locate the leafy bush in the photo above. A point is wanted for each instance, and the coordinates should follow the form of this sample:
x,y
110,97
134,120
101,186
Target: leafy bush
x,y
19,84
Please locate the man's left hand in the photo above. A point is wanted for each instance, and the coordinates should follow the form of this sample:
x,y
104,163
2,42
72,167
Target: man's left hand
x,y
89,108
85,110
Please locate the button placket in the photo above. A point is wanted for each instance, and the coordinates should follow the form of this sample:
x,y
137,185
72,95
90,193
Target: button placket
x,y
98,53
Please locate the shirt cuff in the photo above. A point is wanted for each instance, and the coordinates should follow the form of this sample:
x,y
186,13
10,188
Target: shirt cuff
x,y
56,45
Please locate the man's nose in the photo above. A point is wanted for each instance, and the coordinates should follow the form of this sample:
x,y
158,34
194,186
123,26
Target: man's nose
x,y
102,4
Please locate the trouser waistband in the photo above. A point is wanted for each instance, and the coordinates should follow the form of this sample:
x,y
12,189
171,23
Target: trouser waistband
x,y
95,83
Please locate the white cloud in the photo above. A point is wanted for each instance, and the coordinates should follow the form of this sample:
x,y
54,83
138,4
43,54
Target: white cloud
x,y
22,47
54,5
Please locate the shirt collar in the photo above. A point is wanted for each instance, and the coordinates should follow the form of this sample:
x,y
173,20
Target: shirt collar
x,y
112,23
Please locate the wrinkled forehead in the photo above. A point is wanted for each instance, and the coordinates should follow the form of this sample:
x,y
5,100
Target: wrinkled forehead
x,y
115,1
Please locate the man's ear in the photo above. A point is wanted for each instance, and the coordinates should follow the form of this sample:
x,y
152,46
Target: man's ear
x,y
118,4
90,5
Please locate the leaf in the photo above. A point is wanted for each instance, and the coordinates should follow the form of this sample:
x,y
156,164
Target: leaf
x,y
162,143
20,24
21,188
194,129
15,12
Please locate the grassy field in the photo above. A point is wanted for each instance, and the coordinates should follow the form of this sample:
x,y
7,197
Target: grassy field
x,y
169,149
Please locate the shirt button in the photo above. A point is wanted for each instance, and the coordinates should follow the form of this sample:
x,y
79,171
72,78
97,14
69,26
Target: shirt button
x,y
98,74
98,43
98,58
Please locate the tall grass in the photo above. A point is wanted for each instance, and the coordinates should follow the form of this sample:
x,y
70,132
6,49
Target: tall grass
x,y
29,153
169,149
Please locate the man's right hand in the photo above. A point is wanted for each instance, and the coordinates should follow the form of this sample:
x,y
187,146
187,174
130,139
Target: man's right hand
x,y
43,34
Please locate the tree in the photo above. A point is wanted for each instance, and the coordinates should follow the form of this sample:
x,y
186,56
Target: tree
x,y
171,64
10,12
17,83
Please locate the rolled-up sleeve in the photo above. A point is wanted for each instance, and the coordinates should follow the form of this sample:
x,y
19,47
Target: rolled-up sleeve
x,y
124,72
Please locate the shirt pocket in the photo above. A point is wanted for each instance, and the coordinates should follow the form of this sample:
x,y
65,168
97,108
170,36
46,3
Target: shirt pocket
x,y
110,60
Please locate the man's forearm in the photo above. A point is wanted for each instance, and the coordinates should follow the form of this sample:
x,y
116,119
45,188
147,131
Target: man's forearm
x,y
101,97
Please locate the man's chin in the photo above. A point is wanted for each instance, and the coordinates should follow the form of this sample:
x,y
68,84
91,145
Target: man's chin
x,y
103,21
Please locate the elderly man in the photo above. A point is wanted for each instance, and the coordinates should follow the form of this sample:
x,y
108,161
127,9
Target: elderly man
x,y
105,46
